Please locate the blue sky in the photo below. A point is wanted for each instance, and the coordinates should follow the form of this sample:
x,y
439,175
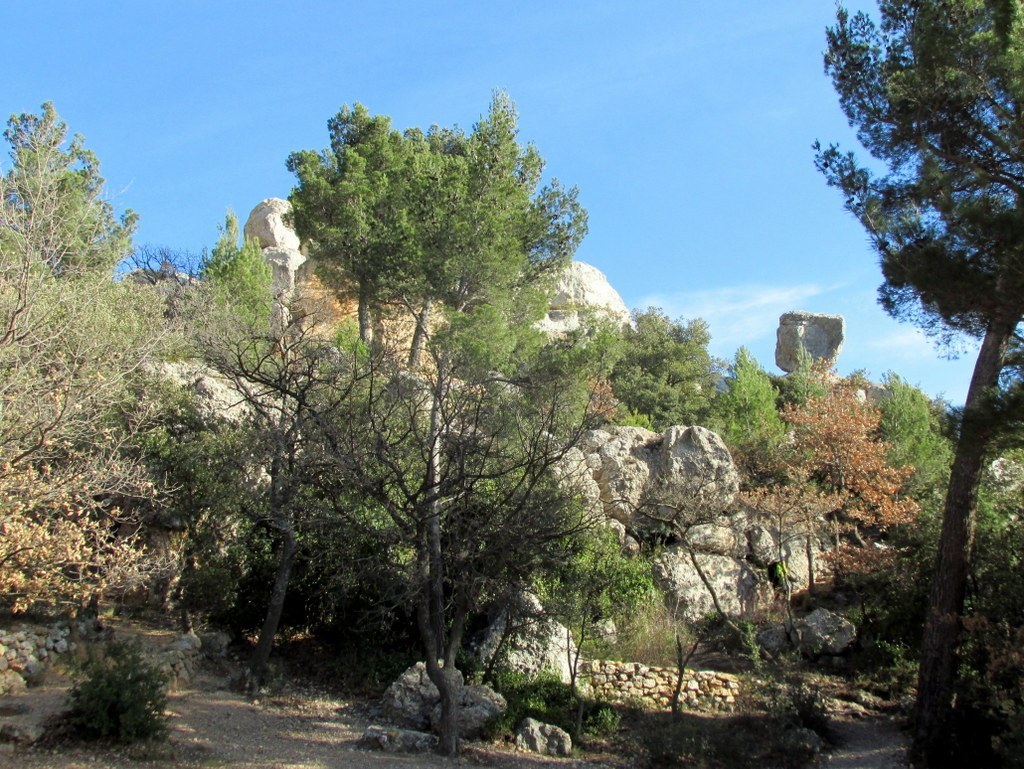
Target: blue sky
x,y
687,127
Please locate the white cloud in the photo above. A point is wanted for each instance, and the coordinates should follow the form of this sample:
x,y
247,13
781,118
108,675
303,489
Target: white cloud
x,y
907,343
738,315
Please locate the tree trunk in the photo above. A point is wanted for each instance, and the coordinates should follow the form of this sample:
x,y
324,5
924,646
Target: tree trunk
x,y
809,552
419,337
682,660
365,321
949,583
261,654
432,624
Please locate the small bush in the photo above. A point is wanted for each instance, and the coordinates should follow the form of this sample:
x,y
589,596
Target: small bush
x,y
547,699
119,696
793,702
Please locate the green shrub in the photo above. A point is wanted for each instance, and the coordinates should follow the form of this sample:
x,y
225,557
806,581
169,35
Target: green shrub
x,y
547,699
119,696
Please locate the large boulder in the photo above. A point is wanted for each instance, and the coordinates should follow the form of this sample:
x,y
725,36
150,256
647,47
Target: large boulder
x,y
819,336
215,397
285,264
734,582
396,740
635,468
478,705
824,632
414,702
266,224
820,632
530,643
411,697
545,739
583,288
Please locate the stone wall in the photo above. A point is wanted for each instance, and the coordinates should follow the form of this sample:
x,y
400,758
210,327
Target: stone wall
x,y
180,660
24,651
652,687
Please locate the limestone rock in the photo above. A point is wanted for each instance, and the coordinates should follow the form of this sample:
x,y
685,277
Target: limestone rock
x,y
411,698
539,644
545,739
583,288
396,740
774,638
761,546
714,538
634,467
215,396
285,264
478,705
266,225
215,643
824,632
413,701
820,632
820,336
734,582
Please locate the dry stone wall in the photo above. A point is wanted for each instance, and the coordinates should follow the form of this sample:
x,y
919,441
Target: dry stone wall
x,y
653,687
24,651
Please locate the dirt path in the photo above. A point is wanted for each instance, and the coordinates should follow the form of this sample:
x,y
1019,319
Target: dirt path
x,y
866,741
214,727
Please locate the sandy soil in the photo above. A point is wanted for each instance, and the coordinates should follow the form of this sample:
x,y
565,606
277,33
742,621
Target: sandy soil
x,y
867,740
212,726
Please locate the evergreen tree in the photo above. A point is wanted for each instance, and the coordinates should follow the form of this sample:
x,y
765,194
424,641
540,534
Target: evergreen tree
x,y
73,343
935,93
745,414
915,429
461,459
666,373
239,275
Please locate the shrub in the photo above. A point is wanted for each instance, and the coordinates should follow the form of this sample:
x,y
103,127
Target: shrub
x,y
119,696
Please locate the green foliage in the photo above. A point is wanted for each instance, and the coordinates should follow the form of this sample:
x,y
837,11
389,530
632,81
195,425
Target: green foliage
x,y
598,583
745,413
73,344
799,386
201,466
666,373
916,430
118,696
449,223
548,700
239,276
54,211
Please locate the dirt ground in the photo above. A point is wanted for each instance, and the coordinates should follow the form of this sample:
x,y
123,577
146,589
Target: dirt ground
x,y
211,726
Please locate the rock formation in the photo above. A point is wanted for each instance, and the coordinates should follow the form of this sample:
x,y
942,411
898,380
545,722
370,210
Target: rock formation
x,y
530,643
545,739
634,468
413,701
819,336
583,288
267,224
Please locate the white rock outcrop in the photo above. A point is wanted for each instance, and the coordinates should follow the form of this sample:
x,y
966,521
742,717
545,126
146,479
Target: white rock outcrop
x,y
534,643
734,581
817,335
583,288
635,468
413,701
266,224
543,739
284,265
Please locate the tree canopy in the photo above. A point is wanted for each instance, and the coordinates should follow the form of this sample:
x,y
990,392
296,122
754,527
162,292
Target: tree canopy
x,y
935,92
